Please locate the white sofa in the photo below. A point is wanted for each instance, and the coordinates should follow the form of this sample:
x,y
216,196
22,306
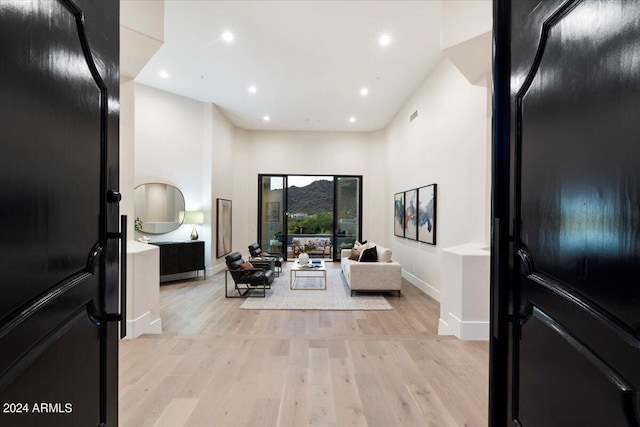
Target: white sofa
x,y
371,276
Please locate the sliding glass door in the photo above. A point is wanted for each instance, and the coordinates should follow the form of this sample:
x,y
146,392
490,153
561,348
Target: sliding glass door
x,y
272,209
317,214
348,201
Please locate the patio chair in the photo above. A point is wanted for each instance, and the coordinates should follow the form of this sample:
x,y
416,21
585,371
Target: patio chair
x,y
247,279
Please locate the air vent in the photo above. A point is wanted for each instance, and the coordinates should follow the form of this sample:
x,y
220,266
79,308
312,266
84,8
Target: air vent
x,y
413,116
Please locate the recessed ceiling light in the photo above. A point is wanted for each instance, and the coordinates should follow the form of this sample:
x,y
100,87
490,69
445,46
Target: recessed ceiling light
x,y
352,119
266,118
364,91
252,89
163,74
384,39
227,36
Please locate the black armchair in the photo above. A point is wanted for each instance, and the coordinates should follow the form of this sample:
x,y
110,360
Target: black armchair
x,y
257,253
247,279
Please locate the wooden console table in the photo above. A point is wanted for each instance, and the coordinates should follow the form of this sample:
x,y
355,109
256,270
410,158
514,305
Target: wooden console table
x,y
181,257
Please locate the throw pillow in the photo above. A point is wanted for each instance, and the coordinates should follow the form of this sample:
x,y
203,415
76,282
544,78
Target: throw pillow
x,y
246,265
369,255
357,249
384,254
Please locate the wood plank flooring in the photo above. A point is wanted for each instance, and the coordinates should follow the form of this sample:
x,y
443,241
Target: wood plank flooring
x,y
217,365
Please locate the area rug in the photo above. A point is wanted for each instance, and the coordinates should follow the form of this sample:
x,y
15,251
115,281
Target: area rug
x,y
337,296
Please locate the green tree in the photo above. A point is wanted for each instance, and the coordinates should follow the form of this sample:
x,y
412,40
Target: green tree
x,y
320,223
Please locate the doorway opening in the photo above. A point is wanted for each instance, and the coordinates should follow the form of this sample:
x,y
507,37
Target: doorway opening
x,y
316,214
309,216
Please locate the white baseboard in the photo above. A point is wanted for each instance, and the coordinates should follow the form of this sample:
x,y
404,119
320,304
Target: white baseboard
x,y
423,286
216,269
143,325
443,328
208,271
465,330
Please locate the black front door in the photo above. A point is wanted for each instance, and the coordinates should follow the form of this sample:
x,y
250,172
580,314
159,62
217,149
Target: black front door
x,y
58,255
566,302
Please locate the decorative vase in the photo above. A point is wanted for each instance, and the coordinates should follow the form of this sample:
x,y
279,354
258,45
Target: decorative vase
x,y
303,259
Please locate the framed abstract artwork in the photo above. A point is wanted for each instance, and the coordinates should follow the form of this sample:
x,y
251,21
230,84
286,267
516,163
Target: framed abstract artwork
x,y
223,227
398,214
411,214
427,213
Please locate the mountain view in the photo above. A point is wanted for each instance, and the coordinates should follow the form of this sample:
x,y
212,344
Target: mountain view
x,y
310,207
313,198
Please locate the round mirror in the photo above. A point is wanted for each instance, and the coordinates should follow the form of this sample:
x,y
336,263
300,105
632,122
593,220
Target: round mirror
x,y
159,208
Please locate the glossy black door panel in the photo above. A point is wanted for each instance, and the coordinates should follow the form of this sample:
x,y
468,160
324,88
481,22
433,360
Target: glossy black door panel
x,y
574,202
58,211
65,377
576,372
580,199
58,262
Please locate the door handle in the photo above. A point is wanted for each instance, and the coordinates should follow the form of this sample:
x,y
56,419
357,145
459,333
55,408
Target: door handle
x,y
113,196
495,286
122,316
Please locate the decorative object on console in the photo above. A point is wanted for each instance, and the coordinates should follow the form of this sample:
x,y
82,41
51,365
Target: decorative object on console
x,y
223,227
427,213
398,214
194,218
411,214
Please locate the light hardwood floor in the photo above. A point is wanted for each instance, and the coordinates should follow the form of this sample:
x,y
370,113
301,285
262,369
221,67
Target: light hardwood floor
x,y
217,365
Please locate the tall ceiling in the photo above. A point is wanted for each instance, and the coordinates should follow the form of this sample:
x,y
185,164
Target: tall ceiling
x,y
307,59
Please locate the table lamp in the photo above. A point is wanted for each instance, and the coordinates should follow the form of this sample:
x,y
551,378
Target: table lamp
x,y
194,218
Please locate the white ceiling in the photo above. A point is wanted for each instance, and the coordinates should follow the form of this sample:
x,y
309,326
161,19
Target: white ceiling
x,y
308,59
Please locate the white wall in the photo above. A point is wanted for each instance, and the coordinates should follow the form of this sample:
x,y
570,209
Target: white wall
x,y
220,177
127,156
143,16
188,144
141,34
462,20
170,143
312,153
446,144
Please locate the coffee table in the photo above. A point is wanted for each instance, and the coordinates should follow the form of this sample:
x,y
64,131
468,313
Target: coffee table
x,y
312,269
